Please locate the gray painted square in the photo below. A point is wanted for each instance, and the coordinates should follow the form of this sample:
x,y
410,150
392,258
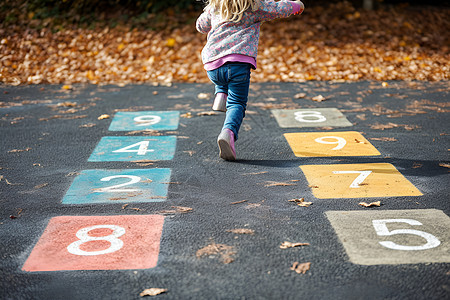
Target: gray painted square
x,y
314,117
403,236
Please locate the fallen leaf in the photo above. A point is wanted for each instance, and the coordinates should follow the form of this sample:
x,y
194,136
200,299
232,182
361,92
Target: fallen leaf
x,y
19,150
41,186
190,152
152,292
301,268
88,125
372,204
385,139
275,183
203,96
67,104
255,173
300,95
176,210
301,202
238,202
187,115
445,165
287,244
319,98
2,178
67,87
241,231
104,116
417,165
207,113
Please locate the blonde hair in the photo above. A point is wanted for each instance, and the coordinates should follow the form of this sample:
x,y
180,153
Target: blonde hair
x,y
232,10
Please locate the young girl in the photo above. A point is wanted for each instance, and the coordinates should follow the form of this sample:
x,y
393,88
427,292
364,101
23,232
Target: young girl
x,y
230,52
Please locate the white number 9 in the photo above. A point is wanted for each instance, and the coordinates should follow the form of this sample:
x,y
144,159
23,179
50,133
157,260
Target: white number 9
x,y
147,120
382,230
341,142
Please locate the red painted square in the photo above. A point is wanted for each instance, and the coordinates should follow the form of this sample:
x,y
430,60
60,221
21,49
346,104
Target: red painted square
x,y
97,243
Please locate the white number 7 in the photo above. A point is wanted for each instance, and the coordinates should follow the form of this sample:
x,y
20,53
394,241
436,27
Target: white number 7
x,y
359,180
382,230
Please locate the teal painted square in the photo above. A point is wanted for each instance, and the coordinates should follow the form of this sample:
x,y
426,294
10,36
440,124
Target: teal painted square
x,y
145,120
119,186
134,148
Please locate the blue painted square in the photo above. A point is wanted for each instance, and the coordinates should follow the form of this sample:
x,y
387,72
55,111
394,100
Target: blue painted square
x,y
145,120
119,186
134,148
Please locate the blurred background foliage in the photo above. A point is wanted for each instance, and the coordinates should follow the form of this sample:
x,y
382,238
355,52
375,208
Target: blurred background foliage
x,y
138,13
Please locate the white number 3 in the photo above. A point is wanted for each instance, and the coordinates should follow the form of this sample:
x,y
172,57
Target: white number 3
x,y
382,230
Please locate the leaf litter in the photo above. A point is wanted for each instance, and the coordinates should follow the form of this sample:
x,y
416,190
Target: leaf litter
x,y
225,252
301,268
301,202
286,245
152,292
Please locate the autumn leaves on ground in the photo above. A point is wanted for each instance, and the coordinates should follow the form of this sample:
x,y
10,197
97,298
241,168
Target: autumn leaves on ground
x,y
333,42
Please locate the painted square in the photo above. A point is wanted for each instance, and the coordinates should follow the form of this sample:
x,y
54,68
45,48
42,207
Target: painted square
x,y
97,243
119,186
145,120
393,236
358,181
321,144
314,117
134,148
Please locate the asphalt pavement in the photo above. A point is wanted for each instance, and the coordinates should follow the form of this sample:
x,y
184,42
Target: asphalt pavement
x,y
107,191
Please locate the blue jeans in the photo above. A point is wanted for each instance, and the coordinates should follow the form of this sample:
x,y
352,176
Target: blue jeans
x,y
233,79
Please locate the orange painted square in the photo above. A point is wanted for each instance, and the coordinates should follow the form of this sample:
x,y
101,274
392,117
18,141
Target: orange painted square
x,y
135,247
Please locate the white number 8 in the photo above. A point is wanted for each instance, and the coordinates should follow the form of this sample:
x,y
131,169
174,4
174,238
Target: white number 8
x,y
313,116
83,236
382,230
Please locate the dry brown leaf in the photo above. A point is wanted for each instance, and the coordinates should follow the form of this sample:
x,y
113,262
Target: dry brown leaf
x,y
301,268
445,165
88,125
226,253
300,95
241,231
207,113
177,210
67,104
19,150
301,202
275,183
203,96
41,186
238,202
187,115
319,98
287,244
255,173
104,116
372,204
385,139
152,292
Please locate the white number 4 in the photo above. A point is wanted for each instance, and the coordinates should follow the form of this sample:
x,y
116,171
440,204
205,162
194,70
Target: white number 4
x,y
142,150
382,230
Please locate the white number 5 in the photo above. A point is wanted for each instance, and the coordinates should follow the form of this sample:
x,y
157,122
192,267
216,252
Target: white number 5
x,y
382,230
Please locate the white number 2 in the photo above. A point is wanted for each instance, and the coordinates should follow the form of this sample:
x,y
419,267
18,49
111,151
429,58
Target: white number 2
x,y
359,180
147,120
382,230
115,188
309,116
341,142
84,237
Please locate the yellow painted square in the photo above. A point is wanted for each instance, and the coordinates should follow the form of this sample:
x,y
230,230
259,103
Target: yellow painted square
x,y
319,144
357,181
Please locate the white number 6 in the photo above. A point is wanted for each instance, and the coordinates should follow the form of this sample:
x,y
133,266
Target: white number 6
x,y
382,230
